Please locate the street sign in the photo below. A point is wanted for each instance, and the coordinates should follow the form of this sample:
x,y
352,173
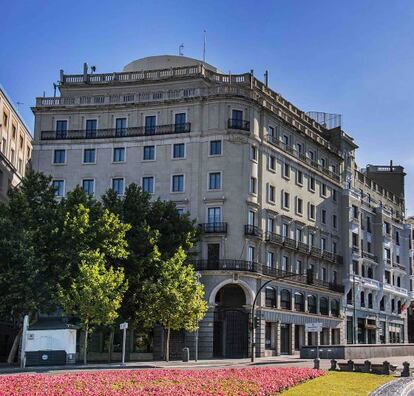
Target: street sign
x,y
123,326
313,327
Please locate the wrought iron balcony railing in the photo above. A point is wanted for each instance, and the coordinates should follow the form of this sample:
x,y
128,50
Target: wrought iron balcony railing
x,y
213,228
274,238
235,123
370,256
253,230
116,132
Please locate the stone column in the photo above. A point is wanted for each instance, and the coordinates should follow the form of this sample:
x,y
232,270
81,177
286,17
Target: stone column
x,y
306,338
329,335
277,349
387,334
260,338
292,339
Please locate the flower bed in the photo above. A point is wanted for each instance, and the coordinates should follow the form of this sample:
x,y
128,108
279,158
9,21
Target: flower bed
x,y
244,381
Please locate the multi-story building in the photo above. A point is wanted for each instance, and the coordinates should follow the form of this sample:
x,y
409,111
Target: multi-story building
x,y
15,145
267,183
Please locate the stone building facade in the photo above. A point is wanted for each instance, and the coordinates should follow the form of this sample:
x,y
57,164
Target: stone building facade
x,y
15,145
269,185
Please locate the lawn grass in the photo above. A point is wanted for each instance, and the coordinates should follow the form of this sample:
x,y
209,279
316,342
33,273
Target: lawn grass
x,y
339,384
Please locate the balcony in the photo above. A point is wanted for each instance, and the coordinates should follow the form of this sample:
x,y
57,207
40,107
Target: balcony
x,y
355,250
77,134
316,252
370,256
289,243
303,247
274,238
235,123
253,230
396,289
257,268
213,228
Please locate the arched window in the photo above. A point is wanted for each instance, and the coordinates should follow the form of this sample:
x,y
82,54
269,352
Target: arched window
x,y
335,307
285,299
299,302
324,306
382,303
312,304
349,299
270,294
370,300
362,299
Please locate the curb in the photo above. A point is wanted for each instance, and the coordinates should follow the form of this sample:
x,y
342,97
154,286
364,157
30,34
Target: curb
x,y
397,387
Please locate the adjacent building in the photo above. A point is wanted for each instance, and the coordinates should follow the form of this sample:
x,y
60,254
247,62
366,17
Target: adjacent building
x,y
272,188
15,145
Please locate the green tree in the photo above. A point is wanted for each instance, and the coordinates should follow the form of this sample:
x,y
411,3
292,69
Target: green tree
x,y
176,298
95,295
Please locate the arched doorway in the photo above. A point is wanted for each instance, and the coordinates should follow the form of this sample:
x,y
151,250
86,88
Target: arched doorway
x,y
230,323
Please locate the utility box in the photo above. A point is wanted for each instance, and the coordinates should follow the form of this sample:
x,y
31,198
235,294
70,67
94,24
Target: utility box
x,y
50,342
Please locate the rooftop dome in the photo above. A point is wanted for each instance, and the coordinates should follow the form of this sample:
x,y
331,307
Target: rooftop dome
x,y
164,62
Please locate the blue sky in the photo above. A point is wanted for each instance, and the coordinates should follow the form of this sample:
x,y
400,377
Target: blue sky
x,y
350,57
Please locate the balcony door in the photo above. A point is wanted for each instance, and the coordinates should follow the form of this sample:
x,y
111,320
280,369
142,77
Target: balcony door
x,y
91,126
180,120
213,218
150,124
120,126
237,118
213,252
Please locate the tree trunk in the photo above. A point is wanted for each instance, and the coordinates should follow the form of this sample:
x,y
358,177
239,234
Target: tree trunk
x,y
167,352
111,344
85,345
15,347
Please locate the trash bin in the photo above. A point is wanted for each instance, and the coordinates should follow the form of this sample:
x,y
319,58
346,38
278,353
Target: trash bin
x,y
186,354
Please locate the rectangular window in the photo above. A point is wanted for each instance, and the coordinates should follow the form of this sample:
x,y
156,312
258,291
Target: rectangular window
x,y
299,266
270,224
286,171
270,259
355,240
148,184
299,148
323,190
214,215
323,162
299,235
299,206
397,238
285,230
214,181
334,221
150,124
89,156
91,126
323,243
61,128
285,200
272,163
215,147
286,140
311,183
323,216
59,156
149,153
119,154
311,211
368,224
179,150
334,247
355,213
387,228
178,183
271,193
253,153
59,186
334,195
118,185
180,120
250,253
237,119
311,155
253,185
120,126
285,263
271,131
251,218
88,185
299,177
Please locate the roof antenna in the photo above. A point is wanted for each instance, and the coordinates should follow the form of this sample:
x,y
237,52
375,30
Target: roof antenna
x,y
204,47
181,50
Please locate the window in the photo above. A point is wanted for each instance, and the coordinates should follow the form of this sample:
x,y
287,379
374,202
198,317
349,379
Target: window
x,y
285,300
299,206
311,211
214,181
286,140
324,274
323,190
150,124
335,308
299,234
368,224
349,298
312,304
215,147
362,298
271,131
88,185
285,230
14,131
299,267
253,185
4,146
311,155
323,216
250,253
323,162
299,148
382,304
21,142
5,119
355,240
120,126
324,306
253,153
299,177
272,163
119,154
311,182
178,183
270,224
286,171
299,302
285,263
91,126
334,195
251,217
149,153
59,186
285,200
370,301
334,247
397,237
355,212
270,297
180,120
148,184
59,156
179,150
12,156
334,221
270,259
214,215
237,119
61,128
323,243
271,193
118,185
387,227
89,156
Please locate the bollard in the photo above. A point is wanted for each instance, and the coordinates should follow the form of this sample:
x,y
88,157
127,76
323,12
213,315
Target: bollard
x,y
350,366
367,366
386,368
333,365
186,354
316,363
406,370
